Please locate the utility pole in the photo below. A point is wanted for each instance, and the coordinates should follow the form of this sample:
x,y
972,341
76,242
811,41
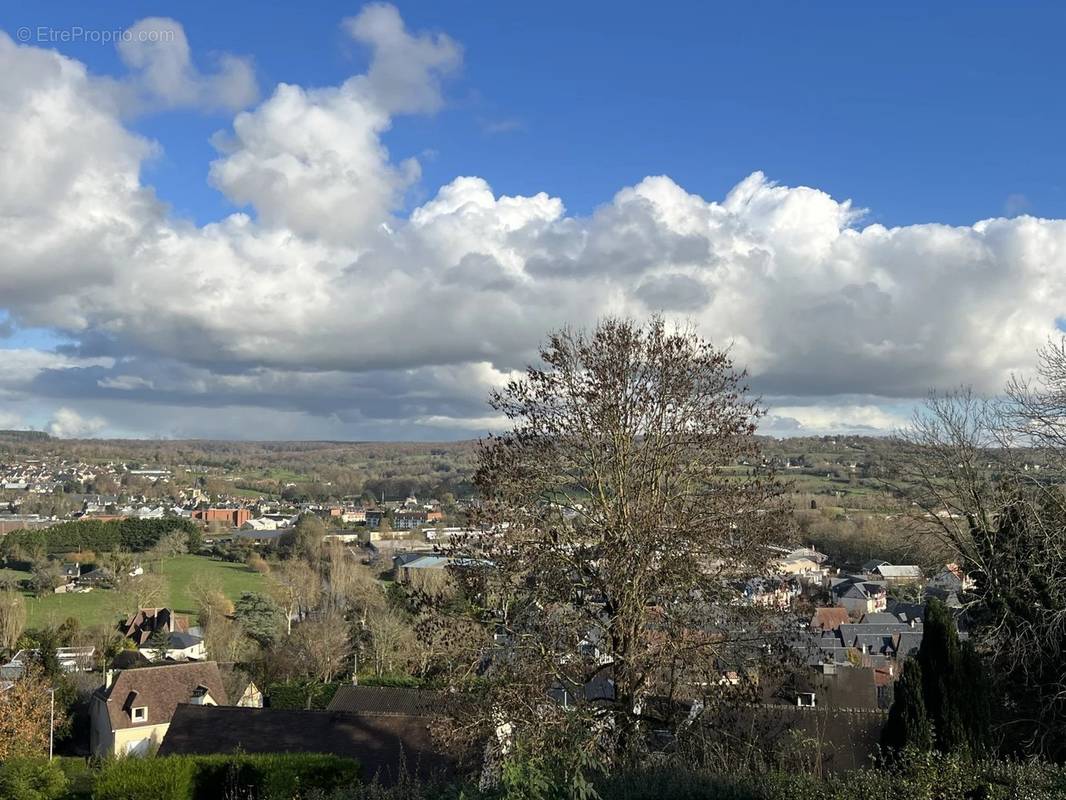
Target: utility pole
x,y
51,722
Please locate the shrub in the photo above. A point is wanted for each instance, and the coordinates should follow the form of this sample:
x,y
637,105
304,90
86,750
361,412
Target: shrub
x,y
253,777
147,779
31,779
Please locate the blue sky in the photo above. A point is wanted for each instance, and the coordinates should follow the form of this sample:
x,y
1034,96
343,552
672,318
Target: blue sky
x,y
944,115
919,113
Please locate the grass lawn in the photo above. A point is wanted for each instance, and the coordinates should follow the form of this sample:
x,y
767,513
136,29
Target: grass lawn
x,y
12,575
253,494
183,571
101,606
97,607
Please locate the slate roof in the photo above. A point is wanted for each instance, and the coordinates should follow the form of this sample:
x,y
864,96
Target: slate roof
x,y
181,641
140,626
130,659
387,700
385,744
900,571
161,688
905,612
881,617
856,587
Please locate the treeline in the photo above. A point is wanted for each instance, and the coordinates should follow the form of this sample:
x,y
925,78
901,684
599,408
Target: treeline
x,y
135,535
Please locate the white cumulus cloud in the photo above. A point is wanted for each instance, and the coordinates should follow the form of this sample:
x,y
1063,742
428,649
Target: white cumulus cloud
x,y
69,424
320,300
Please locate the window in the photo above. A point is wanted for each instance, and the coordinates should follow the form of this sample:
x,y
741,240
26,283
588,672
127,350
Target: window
x,y
805,699
140,714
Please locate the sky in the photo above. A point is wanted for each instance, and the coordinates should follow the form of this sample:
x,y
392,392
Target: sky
x,y
352,221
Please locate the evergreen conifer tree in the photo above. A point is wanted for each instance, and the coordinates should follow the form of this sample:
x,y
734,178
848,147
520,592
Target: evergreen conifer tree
x,y
908,724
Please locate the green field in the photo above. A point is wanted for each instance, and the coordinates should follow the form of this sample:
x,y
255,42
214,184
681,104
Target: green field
x,y
182,571
101,606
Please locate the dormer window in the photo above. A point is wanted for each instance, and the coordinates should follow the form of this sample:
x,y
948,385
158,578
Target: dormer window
x,y
140,714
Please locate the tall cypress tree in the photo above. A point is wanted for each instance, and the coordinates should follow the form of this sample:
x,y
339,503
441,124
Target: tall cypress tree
x,y
975,699
943,697
908,724
939,657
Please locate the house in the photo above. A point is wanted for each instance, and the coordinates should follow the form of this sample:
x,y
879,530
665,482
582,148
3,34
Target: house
x,y
806,565
353,515
387,700
771,592
857,595
948,584
139,627
180,647
387,743
71,659
231,517
829,619
129,659
896,573
71,570
240,689
850,688
408,519
260,524
132,711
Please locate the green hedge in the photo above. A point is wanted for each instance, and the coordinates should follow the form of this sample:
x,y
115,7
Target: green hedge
x,y
147,779
136,535
272,777
250,777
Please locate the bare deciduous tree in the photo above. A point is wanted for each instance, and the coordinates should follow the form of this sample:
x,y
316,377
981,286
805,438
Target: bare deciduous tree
x,y
616,529
225,640
985,478
12,618
350,585
296,588
391,642
324,644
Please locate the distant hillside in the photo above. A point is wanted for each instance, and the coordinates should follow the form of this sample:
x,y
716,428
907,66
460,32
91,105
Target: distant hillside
x,y
24,436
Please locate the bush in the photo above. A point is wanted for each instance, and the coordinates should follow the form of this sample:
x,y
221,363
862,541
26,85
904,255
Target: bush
x,y
252,777
147,779
272,777
31,779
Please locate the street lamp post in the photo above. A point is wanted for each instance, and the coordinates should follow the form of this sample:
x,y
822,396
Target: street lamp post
x,y
51,722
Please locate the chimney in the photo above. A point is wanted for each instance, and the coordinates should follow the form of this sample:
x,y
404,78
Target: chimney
x,y
109,678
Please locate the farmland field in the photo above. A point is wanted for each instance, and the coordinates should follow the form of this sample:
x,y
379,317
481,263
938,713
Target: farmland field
x,y
102,606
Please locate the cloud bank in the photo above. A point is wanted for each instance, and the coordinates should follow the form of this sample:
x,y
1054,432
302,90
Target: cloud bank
x,y
318,308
